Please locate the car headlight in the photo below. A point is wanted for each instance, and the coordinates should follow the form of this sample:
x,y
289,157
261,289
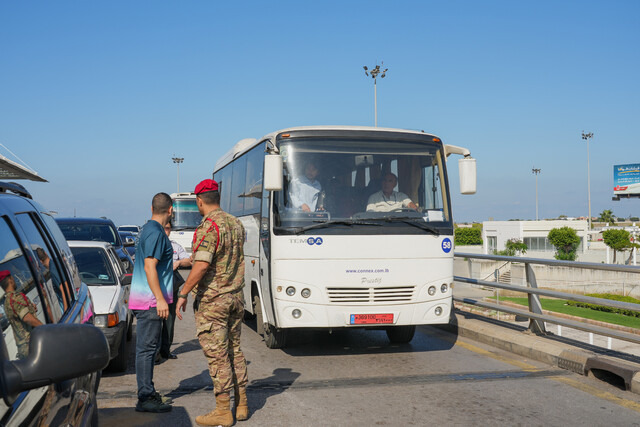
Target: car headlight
x,y
106,320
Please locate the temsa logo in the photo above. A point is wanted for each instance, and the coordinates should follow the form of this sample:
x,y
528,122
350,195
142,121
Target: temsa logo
x,y
309,241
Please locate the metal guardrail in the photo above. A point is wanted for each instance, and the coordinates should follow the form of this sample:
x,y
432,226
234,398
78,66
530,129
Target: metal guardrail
x,y
535,314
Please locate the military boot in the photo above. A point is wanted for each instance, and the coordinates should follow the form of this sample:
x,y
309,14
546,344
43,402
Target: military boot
x,y
221,416
240,402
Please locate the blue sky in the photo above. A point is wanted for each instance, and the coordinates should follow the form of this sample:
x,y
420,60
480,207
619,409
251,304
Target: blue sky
x,y
98,96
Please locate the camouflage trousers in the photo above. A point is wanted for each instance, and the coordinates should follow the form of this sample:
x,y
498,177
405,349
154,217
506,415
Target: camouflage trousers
x,y
218,326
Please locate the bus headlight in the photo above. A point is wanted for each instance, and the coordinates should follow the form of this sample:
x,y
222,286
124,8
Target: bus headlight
x,y
306,293
438,311
291,291
432,290
296,313
444,288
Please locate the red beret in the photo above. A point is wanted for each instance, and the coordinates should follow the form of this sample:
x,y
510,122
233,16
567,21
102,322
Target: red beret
x,y
206,186
4,274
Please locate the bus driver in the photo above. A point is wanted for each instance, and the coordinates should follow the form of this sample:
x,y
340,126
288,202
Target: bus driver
x,y
388,200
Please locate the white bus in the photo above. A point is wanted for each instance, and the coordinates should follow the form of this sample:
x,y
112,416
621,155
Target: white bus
x,y
341,265
186,219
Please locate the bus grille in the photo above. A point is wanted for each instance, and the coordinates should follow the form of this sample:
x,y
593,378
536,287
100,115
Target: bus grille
x,y
370,295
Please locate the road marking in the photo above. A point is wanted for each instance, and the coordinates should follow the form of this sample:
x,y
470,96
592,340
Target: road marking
x,y
519,363
594,391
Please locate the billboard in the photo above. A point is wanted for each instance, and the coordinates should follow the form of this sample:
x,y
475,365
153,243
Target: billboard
x,y
626,180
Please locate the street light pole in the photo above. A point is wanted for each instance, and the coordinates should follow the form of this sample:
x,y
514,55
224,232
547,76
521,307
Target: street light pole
x,y
374,74
536,172
178,160
587,137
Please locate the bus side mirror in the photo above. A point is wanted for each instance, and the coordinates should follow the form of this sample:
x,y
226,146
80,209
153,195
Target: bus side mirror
x,y
467,169
273,172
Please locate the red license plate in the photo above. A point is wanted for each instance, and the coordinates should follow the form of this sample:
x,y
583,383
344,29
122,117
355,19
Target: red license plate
x,y
371,319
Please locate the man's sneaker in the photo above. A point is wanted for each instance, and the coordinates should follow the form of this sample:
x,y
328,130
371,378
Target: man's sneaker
x,y
152,404
164,399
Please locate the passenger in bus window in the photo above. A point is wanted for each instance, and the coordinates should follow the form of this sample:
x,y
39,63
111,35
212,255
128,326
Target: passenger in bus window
x,y
388,200
304,190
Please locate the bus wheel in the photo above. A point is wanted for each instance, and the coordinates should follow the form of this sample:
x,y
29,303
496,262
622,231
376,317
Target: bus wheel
x,y
257,309
401,334
275,338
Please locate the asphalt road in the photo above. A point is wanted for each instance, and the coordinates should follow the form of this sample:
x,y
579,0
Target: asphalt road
x,y
355,377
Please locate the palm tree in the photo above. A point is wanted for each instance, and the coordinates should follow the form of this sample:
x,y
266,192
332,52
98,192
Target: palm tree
x,y
607,216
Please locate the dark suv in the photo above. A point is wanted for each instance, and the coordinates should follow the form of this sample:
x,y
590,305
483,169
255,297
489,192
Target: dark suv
x,y
99,229
51,355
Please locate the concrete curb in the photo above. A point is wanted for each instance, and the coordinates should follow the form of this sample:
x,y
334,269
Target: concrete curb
x,y
538,348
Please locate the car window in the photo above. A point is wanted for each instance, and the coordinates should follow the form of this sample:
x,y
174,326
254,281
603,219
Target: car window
x,y
115,262
95,232
66,257
60,260
21,307
94,265
48,275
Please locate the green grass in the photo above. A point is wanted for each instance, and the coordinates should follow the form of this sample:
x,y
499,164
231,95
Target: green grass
x,y
559,306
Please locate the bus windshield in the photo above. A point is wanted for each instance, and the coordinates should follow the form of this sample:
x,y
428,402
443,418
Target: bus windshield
x,y
185,214
361,182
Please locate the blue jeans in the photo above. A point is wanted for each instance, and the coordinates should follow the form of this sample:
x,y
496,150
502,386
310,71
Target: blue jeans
x,y
148,332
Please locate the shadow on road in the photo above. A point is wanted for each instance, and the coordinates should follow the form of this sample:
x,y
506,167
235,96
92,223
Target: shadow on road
x,y
125,417
259,391
343,341
187,346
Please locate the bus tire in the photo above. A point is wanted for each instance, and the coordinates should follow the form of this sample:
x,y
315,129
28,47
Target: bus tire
x,y
257,309
275,338
401,334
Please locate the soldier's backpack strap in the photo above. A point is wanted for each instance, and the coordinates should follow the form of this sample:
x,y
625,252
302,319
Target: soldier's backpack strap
x,y
213,225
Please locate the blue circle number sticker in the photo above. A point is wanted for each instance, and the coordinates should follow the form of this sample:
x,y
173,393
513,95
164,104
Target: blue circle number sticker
x,y
446,245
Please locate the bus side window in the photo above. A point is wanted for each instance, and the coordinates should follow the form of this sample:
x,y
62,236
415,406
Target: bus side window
x,y
253,181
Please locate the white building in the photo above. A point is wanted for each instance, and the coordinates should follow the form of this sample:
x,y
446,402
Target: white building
x,y
495,235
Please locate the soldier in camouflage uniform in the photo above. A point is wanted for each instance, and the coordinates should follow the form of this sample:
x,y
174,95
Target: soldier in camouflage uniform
x,y
20,312
216,281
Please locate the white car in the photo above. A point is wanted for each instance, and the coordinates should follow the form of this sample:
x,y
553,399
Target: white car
x,y
109,286
130,228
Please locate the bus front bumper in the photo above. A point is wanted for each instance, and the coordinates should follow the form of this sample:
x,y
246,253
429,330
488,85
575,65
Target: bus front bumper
x,y
296,314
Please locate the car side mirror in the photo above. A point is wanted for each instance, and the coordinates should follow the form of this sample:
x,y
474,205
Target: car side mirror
x,y
126,279
129,241
57,353
273,167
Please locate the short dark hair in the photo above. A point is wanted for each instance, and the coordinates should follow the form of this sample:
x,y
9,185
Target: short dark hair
x,y
42,255
161,203
210,197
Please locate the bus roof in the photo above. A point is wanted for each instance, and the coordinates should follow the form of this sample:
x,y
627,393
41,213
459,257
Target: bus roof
x,y
247,144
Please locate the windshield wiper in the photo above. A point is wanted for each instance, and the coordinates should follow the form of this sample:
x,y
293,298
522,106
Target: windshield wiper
x,y
411,221
350,222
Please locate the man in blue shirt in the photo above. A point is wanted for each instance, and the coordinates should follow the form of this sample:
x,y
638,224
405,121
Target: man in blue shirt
x,y
151,294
